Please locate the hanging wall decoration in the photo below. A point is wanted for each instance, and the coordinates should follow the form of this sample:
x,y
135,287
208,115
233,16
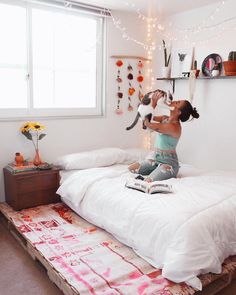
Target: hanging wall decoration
x,y
119,80
133,85
131,89
140,79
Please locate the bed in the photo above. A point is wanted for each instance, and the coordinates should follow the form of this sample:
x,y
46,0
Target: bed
x,y
186,233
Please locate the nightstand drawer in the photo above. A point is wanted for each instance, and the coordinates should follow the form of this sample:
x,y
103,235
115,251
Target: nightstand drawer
x,y
32,199
31,188
33,183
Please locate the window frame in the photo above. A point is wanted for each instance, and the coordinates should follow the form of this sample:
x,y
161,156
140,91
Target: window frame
x,y
15,114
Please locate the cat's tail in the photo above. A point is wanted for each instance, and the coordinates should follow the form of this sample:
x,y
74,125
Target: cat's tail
x,y
134,123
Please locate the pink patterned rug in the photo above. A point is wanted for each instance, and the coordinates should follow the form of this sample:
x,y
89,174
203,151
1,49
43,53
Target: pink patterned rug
x,y
90,259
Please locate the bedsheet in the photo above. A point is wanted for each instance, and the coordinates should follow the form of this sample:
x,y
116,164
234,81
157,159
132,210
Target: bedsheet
x,y
186,233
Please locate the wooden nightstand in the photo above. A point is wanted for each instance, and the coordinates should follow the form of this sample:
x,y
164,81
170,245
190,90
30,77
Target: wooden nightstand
x,y
31,188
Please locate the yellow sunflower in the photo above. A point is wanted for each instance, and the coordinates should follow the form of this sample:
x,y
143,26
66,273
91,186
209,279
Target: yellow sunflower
x,y
26,127
36,126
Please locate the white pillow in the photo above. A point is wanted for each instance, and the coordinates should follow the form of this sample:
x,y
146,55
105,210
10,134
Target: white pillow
x,y
187,170
138,155
95,158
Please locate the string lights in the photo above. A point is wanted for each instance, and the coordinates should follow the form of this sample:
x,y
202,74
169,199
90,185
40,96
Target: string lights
x,y
150,48
155,23
125,35
171,32
203,24
149,74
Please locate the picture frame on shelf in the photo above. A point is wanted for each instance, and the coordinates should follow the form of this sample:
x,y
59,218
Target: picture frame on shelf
x,y
182,59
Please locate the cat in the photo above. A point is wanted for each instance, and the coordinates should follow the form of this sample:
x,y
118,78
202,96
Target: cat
x,y
145,109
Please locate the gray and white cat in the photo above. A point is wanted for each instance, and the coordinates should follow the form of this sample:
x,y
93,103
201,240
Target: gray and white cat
x,y
145,109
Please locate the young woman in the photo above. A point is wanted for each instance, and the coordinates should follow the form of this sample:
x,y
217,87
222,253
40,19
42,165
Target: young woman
x,y
166,163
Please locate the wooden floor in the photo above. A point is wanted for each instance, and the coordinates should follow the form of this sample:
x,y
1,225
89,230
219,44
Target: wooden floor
x,y
20,274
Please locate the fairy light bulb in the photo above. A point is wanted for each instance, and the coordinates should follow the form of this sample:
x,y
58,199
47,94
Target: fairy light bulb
x,y
147,141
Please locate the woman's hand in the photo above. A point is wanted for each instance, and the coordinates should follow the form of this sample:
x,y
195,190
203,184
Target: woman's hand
x,y
164,117
146,122
157,95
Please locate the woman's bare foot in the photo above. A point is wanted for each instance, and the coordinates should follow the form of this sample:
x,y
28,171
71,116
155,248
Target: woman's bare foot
x,y
148,179
134,167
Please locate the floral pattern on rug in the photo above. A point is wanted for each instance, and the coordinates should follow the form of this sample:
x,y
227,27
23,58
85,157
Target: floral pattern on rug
x,y
90,259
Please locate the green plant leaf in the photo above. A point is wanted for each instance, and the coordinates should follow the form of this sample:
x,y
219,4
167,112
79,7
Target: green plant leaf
x,y
27,134
168,61
165,53
41,136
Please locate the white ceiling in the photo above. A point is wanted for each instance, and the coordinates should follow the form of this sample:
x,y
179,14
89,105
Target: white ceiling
x,y
151,7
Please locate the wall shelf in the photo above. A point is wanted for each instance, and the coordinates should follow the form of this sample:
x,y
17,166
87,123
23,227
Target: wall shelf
x,y
173,79
131,57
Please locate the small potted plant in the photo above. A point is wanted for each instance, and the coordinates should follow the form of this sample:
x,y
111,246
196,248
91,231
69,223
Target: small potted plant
x,y
230,65
166,68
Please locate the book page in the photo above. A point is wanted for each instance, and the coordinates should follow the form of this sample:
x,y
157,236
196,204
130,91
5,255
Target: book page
x,y
160,188
137,184
149,187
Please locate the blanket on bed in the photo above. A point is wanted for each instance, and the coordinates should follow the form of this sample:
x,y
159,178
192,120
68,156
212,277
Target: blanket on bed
x,y
90,259
186,233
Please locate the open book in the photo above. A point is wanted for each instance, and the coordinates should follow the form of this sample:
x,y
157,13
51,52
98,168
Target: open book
x,y
149,187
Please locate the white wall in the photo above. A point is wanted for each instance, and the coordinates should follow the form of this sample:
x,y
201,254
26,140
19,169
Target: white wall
x,y
73,135
209,141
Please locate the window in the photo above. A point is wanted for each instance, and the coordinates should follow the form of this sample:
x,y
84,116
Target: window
x,y
51,61
13,57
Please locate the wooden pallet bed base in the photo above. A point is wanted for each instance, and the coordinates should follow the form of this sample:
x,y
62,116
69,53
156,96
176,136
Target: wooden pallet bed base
x,y
218,285
52,273
220,282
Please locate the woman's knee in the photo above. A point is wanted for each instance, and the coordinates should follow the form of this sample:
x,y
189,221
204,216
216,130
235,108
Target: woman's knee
x,y
163,172
166,168
134,167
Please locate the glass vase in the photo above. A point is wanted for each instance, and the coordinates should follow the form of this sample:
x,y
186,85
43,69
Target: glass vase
x,y
37,160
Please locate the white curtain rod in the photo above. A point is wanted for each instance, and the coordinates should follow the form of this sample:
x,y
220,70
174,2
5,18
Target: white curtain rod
x,y
74,5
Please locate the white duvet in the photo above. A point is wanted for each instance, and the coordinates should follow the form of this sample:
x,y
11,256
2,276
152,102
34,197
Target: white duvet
x,y
186,233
